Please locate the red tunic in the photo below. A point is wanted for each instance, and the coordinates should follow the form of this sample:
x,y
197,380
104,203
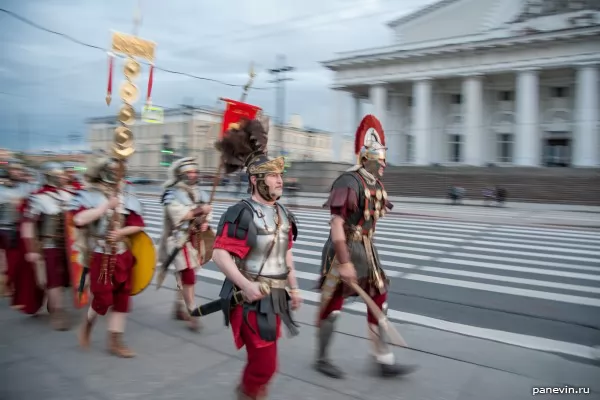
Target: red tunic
x,y
239,248
28,297
114,291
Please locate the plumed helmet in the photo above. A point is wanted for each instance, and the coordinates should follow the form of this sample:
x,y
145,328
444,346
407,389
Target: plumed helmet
x,y
177,170
369,142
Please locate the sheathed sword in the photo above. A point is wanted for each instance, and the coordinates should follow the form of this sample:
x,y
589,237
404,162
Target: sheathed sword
x,y
164,268
217,305
330,284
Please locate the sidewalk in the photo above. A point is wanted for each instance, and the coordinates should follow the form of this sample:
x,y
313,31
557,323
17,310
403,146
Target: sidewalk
x,y
173,363
513,213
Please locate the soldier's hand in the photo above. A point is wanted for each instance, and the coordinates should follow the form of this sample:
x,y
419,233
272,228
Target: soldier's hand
x,y
347,272
296,299
252,292
204,227
114,236
113,202
206,208
33,257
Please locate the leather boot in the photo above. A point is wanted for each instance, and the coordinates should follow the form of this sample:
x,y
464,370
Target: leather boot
x,y
59,320
179,313
194,324
85,333
391,371
117,347
324,336
240,395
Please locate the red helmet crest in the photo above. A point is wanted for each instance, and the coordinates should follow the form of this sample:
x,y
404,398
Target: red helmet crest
x,y
369,141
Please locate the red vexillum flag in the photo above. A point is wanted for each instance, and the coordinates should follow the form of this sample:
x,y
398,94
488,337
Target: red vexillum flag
x,y
234,111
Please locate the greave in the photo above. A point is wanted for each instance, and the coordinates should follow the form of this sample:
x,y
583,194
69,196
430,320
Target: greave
x,y
325,335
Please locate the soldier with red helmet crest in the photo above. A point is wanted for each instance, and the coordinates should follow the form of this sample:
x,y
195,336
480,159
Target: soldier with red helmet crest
x,y
357,201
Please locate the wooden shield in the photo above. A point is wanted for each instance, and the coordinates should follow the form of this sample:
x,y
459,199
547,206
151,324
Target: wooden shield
x,y
76,262
144,252
207,240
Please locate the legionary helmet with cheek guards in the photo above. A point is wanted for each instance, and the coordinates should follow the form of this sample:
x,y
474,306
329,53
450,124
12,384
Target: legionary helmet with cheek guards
x,y
369,144
101,167
54,174
260,166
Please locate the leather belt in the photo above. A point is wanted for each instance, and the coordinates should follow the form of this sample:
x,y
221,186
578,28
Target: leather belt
x,y
356,233
274,283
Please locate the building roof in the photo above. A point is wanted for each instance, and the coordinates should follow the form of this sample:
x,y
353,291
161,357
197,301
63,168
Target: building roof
x,y
166,112
420,12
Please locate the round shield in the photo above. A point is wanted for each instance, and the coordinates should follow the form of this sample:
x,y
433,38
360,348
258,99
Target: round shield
x,y
132,69
129,92
126,115
142,248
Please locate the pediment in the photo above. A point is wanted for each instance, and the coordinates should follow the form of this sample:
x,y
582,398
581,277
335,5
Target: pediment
x,y
550,15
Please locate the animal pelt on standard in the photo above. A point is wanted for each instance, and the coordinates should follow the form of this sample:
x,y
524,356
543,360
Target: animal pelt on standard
x,y
238,144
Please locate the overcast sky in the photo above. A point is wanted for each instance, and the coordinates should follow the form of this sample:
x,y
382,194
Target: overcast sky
x,y
49,85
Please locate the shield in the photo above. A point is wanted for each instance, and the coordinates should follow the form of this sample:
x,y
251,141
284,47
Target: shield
x,y
144,252
76,262
207,240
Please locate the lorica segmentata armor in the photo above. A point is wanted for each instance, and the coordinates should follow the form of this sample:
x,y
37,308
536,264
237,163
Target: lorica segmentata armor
x,y
267,257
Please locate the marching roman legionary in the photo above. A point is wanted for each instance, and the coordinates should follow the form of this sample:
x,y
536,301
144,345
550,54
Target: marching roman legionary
x,y
13,191
106,215
73,183
356,202
186,216
253,248
43,232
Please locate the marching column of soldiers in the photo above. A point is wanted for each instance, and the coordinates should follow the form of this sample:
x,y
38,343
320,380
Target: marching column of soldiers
x,y
252,246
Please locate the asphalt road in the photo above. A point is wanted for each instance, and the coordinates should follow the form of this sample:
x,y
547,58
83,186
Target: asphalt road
x,y
532,287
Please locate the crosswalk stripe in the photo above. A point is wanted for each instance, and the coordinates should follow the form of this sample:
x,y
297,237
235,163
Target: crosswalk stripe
x,y
550,264
309,246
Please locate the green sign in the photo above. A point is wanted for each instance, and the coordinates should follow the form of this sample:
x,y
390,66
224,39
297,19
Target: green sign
x,y
153,115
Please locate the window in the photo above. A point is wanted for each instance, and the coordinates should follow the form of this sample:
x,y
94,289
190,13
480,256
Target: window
x,y
559,92
456,99
409,101
506,95
505,148
410,148
455,142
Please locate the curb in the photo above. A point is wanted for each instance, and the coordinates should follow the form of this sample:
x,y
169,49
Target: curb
x,y
419,215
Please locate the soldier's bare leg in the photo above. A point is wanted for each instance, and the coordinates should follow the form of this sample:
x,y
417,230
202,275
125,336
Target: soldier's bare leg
x,y
188,280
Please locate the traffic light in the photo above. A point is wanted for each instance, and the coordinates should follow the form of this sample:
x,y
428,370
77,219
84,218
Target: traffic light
x,y
166,157
287,164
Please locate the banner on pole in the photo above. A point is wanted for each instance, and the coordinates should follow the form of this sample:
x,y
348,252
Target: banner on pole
x,y
234,112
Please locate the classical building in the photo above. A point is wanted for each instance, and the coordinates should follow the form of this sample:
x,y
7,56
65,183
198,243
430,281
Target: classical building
x,y
192,131
506,82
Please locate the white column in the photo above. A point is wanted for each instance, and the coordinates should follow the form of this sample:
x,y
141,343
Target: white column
x,y
393,132
527,133
358,110
421,130
378,97
586,140
472,111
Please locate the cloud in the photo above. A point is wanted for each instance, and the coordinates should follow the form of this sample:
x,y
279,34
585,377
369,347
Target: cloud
x,y
54,85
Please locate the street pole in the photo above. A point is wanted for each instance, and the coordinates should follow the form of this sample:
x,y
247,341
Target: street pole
x,y
280,78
